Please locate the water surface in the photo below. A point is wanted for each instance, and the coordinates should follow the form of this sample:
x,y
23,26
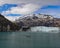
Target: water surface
x,y
29,40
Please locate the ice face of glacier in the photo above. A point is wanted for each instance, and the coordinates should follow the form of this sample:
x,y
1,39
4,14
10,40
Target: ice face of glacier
x,y
44,29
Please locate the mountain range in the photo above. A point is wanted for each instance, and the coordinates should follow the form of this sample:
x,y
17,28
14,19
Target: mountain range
x,y
38,20
28,21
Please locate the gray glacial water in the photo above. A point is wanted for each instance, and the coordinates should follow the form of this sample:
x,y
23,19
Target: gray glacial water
x,y
29,40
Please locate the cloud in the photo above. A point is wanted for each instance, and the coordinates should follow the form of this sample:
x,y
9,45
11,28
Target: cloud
x,y
41,2
20,10
24,9
27,6
12,18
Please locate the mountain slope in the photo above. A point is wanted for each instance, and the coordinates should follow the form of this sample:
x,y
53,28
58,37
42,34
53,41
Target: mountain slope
x,y
6,25
39,20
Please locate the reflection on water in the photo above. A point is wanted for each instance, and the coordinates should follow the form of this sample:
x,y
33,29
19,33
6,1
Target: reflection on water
x,y
29,40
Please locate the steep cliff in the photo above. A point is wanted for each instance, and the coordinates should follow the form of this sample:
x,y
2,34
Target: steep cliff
x,y
6,25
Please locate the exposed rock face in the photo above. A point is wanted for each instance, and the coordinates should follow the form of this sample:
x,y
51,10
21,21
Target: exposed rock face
x,y
47,20
6,25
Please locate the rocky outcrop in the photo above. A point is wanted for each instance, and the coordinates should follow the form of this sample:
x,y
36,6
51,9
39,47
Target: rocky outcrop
x,y
6,25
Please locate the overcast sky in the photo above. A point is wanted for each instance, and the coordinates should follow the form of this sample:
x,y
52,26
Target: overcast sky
x,y
15,8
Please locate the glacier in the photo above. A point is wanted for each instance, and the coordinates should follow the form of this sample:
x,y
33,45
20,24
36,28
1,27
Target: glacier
x,y
44,29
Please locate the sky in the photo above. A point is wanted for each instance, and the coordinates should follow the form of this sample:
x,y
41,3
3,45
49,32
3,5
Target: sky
x,y
13,9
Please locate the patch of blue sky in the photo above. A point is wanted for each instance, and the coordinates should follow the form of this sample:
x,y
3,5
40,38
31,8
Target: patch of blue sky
x,y
6,7
13,14
50,10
